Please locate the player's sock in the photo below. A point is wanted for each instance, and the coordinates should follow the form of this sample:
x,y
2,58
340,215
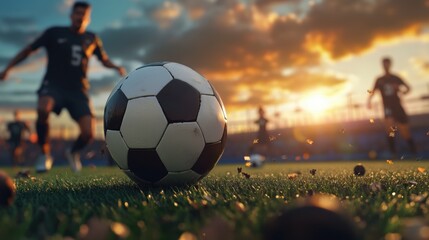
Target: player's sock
x,y
80,143
392,146
42,129
412,145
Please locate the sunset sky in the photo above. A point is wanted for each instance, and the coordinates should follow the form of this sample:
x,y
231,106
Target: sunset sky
x,y
260,52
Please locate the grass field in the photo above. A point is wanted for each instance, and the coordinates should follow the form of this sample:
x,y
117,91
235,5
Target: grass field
x,y
103,200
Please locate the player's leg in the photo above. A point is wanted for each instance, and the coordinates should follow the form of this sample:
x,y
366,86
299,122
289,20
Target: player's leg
x,y
17,154
404,129
81,111
389,126
45,105
86,126
44,108
12,148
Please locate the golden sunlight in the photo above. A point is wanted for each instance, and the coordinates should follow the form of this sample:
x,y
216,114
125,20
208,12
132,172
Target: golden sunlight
x,y
316,103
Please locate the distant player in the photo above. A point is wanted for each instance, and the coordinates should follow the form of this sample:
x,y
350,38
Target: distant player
x,y
263,137
17,128
391,87
65,84
261,145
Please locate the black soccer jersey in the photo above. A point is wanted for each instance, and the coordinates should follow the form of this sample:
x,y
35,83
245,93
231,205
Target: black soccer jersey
x,y
16,130
68,55
389,87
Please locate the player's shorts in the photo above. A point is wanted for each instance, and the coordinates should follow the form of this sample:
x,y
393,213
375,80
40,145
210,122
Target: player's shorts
x,y
397,113
76,102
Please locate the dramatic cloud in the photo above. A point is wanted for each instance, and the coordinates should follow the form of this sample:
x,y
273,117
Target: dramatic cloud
x,y
65,5
422,65
270,3
18,38
236,42
20,98
243,46
14,22
17,31
19,104
227,35
130,43
102,85
4,61
272,88
16,93
165,15
340,28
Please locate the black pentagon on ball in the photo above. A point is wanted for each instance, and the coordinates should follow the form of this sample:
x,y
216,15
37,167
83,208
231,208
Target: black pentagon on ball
x,y
146,164
114,111
210,155
140,182
359,170
179,101
208,158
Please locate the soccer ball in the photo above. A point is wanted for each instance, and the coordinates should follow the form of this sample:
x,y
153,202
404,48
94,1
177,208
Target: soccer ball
x,y
359,170
256,160
165,124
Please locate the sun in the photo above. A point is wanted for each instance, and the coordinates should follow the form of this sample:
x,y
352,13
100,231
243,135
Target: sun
x,y
316,103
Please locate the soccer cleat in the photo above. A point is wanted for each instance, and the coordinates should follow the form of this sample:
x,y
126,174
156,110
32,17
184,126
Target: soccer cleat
x,y
74,160
43,163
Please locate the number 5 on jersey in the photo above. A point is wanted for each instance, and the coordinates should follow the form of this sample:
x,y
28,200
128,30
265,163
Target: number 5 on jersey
x,y
76,55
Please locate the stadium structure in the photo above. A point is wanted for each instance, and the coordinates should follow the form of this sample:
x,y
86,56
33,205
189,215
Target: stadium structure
x,y
349,132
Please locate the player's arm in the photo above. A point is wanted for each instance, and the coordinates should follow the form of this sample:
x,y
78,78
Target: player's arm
x,y
23,54
405,88
109,64
104,58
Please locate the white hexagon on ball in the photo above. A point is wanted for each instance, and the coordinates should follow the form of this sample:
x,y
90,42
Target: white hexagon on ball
x,y
143,123
181,146
147,81
189,76
117,148
211,119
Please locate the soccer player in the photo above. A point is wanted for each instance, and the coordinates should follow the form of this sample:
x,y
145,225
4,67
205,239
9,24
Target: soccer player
x,y
391,87
261,145
65,84
16,129
263,137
